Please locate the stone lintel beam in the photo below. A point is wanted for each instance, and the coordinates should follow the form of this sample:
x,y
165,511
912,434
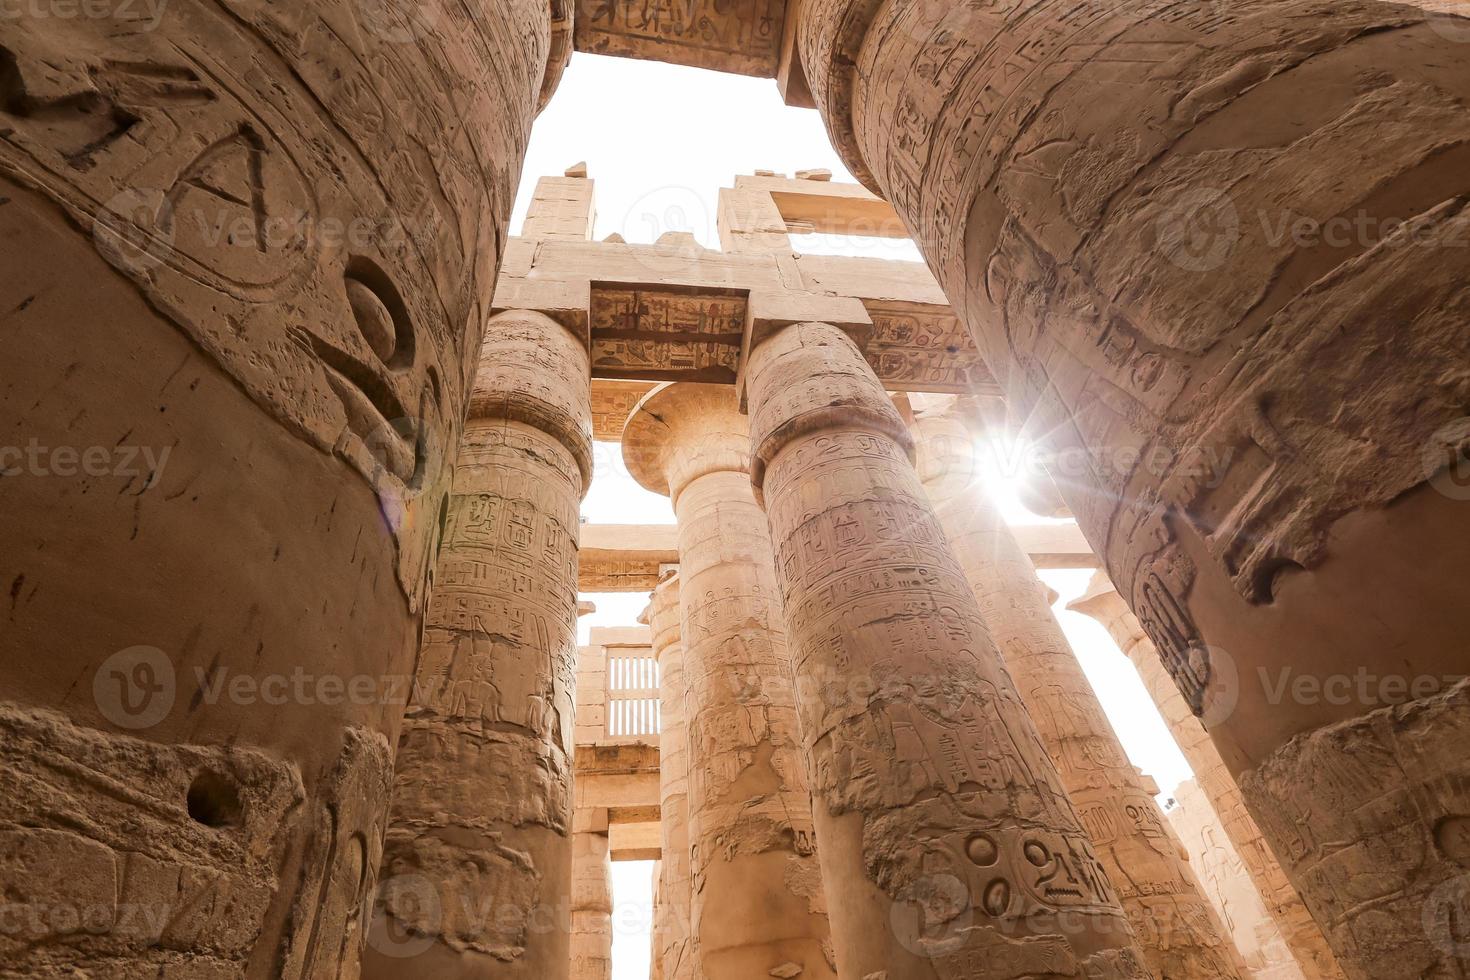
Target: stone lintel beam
x,y
627,557
703,308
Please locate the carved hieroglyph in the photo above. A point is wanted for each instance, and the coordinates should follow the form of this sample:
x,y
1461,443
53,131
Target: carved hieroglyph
x,y
948,844
476,864
757,904
1304,937
741,36
248,248
672,957
591,898
1227,884
1177,929
1215,253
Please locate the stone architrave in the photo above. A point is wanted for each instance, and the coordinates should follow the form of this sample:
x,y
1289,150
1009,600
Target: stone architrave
x,y
1214,254
949,846
246,271
1302,934
591,900
672,958
1178,930
477,858
757,906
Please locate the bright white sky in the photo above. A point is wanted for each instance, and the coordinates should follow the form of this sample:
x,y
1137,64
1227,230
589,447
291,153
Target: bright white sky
x,y
659,142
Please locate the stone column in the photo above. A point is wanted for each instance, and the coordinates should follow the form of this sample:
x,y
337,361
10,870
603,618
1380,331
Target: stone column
x,y
671,955
1303,936
1228,886
757,906
477,860
246,266
1177,929
591,941
948,843
1213,255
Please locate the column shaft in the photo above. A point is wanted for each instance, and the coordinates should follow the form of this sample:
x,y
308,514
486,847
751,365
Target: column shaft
x,y
1177,929
1302,934
591,940
1257,427
237,342
948,844
477,860
757,901
671,954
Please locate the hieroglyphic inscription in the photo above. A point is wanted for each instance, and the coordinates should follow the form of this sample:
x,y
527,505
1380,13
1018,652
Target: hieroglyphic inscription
x,y
663,334
757,905
915,349
1078,178
742,36
333,287
910,720
482,789
177,856
1171,918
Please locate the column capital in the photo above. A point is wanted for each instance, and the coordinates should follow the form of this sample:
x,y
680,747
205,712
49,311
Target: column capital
x,y
662,615
809,377
534,371
1101,600
681,431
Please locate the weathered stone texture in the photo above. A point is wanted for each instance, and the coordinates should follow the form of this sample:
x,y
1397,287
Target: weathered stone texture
x,y
757,897
591,898
1178,931
947,840
258,241
1102,191
672,957
1102,602
1227,883
476,864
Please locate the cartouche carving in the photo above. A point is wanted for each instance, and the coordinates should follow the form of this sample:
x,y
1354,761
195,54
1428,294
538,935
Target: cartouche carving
x,y
934,798
1193,233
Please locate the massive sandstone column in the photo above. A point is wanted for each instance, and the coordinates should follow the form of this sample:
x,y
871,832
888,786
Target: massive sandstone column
x,y
949,848
672,959
757,904
591,904
477,860
1215,254
247,250
1177,929
1302,934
